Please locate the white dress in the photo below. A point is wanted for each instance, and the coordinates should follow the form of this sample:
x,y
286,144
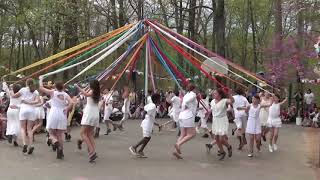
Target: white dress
x,y
220,122
274,119
57,119
13,123
147,123
40,111
188,110
254,125
28,112
202,113
175,108
264,112
240,116
91,113
108,107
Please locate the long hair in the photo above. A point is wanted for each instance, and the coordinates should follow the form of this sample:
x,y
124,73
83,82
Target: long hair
x,y
222,93
31,84
95,87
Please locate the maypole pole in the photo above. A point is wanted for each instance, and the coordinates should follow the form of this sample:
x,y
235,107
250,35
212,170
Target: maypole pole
x,y
146,72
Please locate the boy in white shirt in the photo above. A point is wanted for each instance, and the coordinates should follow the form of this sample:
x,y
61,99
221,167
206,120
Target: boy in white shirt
x,y
147,126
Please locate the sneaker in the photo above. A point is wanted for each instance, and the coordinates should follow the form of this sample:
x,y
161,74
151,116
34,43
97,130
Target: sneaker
x,y
133,150
31,149
60,154
107,132
141,155
250,155
15,144
25,149
209,147
79,144
205,135
275,147
93,158
270,148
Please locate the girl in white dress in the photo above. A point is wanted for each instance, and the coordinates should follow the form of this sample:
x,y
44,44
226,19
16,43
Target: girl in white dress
x,y
13,123
27,115
147,126
220,122
274,121
175,109
57,117
90,118
254,124
264,113
40,115
187,119
107,102
125,107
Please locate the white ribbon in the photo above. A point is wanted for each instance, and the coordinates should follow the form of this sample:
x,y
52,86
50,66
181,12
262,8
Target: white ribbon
x,y
114,46
188,47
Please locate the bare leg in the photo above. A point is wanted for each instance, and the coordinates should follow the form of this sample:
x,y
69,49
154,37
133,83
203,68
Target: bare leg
x,y
251,143
30,132
276,134
23,125
271,136
91,140
190,133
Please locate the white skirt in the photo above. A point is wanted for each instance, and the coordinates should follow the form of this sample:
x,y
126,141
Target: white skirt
x,y
57,119
107,113
186,119
27,112
40,113
274,122
90,116
220,126
13,123
253,126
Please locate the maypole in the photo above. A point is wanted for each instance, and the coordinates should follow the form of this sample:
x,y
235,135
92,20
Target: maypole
x,y
146,73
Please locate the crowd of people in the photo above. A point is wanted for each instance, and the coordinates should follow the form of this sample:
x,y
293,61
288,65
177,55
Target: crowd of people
x,y
54,109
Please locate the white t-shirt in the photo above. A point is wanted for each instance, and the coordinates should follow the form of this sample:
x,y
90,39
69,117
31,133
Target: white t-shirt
x,y
309,98
26,95
239,101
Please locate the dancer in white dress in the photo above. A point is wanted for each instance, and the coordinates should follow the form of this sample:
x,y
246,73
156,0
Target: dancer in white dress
x,y
254,124
264,113
274,121
220,122
175,109
108,108
240,103
125,107
57,121
13,123
147,126
90,118
40,115
187,119
27,115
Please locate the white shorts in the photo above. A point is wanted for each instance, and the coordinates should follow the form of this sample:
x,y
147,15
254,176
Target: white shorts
x,y
27,113
146,132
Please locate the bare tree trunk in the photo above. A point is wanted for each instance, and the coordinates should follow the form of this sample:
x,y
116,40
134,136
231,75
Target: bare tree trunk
x,y
121,13
213,42
114,14
164,13
278,23
221,23
255,56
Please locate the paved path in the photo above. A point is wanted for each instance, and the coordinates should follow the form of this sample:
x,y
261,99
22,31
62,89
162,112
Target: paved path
x,y
115,162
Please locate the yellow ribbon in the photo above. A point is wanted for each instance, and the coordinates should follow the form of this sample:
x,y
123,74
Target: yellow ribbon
x,y
70,50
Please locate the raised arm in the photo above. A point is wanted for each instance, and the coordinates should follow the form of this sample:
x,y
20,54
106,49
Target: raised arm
x,y
85,93
286,99
43,89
